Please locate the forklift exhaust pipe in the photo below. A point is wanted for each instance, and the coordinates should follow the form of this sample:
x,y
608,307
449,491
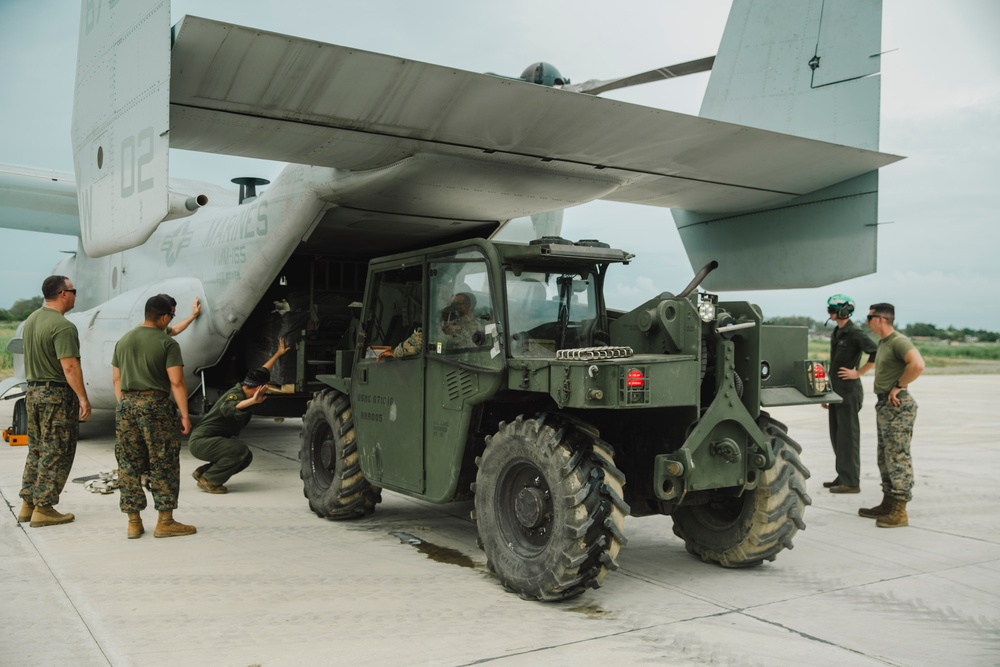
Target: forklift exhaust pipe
x,y
701,275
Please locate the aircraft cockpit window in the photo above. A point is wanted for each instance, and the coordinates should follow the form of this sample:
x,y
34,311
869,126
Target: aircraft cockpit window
x,y
549,312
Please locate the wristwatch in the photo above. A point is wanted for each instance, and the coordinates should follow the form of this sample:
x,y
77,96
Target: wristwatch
x,y
899,385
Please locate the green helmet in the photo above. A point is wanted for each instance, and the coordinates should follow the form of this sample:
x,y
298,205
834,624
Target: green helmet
x,y
840,305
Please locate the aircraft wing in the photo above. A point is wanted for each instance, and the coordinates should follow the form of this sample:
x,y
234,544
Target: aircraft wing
x,y
406,140
41,200
436,141
38,200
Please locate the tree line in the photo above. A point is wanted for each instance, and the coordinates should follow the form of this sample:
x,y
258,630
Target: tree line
x,y
21,309
921,329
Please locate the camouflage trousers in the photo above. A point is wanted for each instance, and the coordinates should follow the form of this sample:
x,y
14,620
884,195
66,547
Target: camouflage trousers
x,y
53,429
147,431
895,429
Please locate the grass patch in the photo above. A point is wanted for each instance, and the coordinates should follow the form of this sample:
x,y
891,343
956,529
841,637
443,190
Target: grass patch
x,y
938,355
977,351
819,349
7,330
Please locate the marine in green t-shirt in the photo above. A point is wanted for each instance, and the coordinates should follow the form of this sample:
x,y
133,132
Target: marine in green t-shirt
x,y
143,356
890,361
897,364
56,402
48,337
147,369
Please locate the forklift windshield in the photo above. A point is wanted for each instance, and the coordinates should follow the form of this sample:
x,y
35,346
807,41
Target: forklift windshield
x,y
549,312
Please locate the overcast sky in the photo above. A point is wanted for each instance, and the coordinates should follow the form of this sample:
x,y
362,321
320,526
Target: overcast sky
x,y
940,109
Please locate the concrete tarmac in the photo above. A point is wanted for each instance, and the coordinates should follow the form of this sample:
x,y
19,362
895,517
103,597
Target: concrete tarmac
x,y
266,582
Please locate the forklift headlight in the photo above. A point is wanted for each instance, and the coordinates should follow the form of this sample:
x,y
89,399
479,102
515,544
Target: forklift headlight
x,y
706,311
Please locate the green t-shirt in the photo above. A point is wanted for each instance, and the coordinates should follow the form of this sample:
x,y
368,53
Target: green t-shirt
x,y
48,337
224,419
890,361
142,358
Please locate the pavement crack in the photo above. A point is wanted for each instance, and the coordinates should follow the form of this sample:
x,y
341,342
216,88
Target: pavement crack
x,y
814,638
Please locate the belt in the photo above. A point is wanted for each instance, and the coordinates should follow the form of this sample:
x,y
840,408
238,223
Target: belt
x,y
47,383
146,392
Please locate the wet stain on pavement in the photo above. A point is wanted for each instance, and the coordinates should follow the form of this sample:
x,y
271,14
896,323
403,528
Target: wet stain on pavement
x,y
591,611
436,552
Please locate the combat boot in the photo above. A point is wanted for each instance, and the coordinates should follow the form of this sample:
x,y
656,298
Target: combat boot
x,y
167,527
881,509
199,471
208,487
48,516
896,516
24,516
135,529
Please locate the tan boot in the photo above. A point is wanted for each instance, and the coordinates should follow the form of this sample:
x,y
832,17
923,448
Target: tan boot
x,y
896,517
48,516
135,529
24,516
208,487
167,527
199,471
881,509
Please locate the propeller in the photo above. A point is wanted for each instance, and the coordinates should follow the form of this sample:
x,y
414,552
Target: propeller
x,y
595,87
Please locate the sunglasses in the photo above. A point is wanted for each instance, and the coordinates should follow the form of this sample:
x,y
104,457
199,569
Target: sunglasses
x,y
872,317
71,291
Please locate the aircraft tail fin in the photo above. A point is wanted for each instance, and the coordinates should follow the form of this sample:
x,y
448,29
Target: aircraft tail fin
x,y
805,68
121,114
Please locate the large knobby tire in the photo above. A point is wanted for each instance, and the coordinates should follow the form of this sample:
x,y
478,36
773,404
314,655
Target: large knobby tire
x,y
549,508
745,531
330,469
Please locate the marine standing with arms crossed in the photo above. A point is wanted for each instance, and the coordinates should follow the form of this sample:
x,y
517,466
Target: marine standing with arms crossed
x,y
897,364
56,401
148,369
847,343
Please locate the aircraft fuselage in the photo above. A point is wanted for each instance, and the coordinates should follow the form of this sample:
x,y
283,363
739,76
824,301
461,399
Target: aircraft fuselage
x,y
227,257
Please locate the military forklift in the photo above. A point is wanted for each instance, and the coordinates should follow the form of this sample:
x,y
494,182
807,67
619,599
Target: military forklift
x,y
558,416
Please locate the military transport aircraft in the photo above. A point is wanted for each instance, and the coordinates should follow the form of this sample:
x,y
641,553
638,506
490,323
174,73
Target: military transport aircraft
x,y
387,155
